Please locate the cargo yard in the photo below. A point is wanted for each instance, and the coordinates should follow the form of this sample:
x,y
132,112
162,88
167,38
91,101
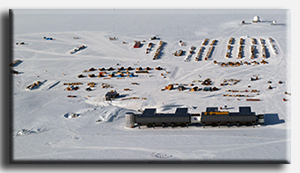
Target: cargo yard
x,y
71,91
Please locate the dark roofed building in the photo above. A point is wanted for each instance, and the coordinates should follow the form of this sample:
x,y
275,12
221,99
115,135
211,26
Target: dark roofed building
x,y
111,95
181,111
149,112
150,117
245,110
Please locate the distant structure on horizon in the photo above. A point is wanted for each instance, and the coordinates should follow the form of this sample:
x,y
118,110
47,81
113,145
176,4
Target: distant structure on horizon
x,y
274,22
256,19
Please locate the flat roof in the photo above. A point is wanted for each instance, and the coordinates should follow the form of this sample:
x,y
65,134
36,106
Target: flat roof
x,y
245,109
152,112
181,111
212,109
149,112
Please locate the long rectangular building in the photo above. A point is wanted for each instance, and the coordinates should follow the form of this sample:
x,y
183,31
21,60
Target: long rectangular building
x,y
150,117
181,117
213,116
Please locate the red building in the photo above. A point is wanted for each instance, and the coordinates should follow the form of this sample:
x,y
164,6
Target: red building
x,y
136,44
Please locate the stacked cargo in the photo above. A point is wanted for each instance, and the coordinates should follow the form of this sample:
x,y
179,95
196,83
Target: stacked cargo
x,y
240,53
213,42
78,49
112,38
178,53
210,50
231,40
15,63
34,85
149,48
253,50
199,54
205,42
73,83
228,52
229,47
263,51
263,48
273,46
160,44
253,40
189,55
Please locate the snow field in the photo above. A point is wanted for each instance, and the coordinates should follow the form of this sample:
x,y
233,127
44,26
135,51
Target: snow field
x,y
98,133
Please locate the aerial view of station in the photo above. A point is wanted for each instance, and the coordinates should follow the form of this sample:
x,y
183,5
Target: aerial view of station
x,y
151,85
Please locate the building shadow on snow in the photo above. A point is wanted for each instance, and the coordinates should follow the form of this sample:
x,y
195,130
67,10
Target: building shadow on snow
x,y
169,107
272,119
123,95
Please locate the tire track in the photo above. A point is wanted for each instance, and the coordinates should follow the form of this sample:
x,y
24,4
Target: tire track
x,y
174,72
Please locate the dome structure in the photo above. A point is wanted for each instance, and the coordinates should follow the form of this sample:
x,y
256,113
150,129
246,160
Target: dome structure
x,y
256,19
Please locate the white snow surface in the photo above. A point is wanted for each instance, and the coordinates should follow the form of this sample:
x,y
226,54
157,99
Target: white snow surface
x,y
44,131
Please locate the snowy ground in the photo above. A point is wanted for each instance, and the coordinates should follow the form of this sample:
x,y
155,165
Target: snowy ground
x,y
43,131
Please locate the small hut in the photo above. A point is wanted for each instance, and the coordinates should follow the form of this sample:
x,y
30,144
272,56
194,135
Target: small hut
x,y
129,68
215,89
80,76
92,75
158,68
121,68
153,38
136,44
92,69
111,95
110,69
88,89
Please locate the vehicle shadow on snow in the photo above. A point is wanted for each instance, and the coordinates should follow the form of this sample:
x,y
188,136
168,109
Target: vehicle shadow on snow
x,y
272,119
